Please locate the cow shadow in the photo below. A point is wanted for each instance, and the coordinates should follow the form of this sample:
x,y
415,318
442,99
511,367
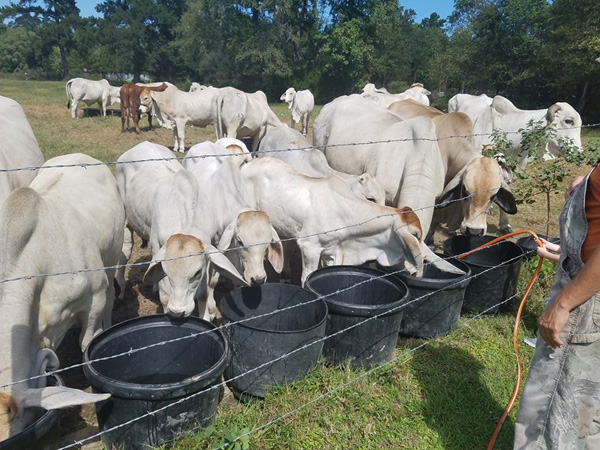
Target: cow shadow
x,y
456,403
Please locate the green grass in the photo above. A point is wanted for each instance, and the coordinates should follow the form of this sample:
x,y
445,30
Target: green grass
x,y
446,395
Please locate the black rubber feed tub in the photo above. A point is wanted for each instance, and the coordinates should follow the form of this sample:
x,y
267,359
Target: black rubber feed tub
x,y
436,300
257,342
43,433
151,379
494,272
364,293
529,246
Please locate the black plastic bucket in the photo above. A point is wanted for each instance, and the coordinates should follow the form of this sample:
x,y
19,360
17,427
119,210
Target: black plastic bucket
x,y
494,271
529,245
378,294
257,342
43,433
436,300
151,379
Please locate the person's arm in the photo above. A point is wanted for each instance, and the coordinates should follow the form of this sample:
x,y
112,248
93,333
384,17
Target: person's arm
x,y
585,284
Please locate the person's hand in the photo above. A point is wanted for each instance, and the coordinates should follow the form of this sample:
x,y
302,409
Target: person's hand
x,y
552,321
573,185
546,249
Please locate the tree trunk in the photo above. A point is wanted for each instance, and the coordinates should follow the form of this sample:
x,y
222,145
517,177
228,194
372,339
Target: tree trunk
x,y
63,58
584,96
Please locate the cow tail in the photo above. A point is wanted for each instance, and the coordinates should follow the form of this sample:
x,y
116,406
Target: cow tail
x,y
218,123
68,88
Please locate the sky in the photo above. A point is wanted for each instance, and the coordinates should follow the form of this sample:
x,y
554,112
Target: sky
x,y
423,8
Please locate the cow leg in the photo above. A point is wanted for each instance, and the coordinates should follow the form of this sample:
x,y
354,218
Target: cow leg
x,y
503,225
74,108
304,124
136,120
176,143
202,298
125,255
311,255
149,120
101,307
102,107
180,127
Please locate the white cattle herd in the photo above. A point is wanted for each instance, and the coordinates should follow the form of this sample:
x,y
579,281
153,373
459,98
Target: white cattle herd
x,y
365,192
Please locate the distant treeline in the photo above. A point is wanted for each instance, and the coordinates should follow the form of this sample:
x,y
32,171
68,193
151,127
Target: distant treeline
x,y
534,52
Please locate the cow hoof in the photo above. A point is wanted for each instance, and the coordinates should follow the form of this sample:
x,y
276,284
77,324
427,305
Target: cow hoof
x,y
505,230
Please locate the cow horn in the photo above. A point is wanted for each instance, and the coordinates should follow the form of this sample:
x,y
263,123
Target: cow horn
x,y
552,112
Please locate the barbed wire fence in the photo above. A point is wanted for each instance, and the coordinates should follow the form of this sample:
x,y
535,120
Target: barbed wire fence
x,y
130,265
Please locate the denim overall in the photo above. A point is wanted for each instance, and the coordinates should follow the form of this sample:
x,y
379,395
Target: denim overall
x,y
560,403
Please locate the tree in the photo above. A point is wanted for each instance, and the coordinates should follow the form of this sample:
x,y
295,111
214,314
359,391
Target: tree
x,y
19,49
54,21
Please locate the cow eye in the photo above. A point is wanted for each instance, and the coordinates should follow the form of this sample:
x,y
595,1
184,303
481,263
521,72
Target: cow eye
x,y
569,122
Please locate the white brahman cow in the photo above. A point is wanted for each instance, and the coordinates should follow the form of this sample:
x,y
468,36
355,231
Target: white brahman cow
x,y
229,214
299,154
504,116
18,148
333,226
471,105
91,91
174,109
68,220
243,115
359,136
301,104
384,98
472,181
163,205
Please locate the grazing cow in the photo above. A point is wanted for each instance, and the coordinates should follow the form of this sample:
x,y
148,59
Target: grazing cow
x,y
360,136
18,148
130,103
240,115
174,109
229,215
504,116
301,104
382,97
312,162
163,205
91,91
69,220
472,181
331,224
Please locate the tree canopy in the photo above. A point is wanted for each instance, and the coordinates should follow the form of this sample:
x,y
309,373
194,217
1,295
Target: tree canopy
x,y
535,52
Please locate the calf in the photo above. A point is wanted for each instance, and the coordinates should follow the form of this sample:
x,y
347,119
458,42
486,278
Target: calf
x,y
331,224
164,205
130,103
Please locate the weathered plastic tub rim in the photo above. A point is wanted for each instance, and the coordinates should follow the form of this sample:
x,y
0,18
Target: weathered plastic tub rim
x,y
512,260
297,307
352,309
123,389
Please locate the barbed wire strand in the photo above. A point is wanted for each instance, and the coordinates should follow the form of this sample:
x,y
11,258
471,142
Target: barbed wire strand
x,y
269,363
132,351
230,154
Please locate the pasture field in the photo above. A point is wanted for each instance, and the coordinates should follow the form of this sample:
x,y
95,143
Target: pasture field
x,y
445,393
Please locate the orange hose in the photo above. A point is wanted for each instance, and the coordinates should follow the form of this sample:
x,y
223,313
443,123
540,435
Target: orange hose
x,y
513,397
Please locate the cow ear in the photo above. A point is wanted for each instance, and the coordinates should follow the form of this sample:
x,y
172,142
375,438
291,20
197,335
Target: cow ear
x,y
452,192
222,265
275,252
227,236
505,200
155,272
58,397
